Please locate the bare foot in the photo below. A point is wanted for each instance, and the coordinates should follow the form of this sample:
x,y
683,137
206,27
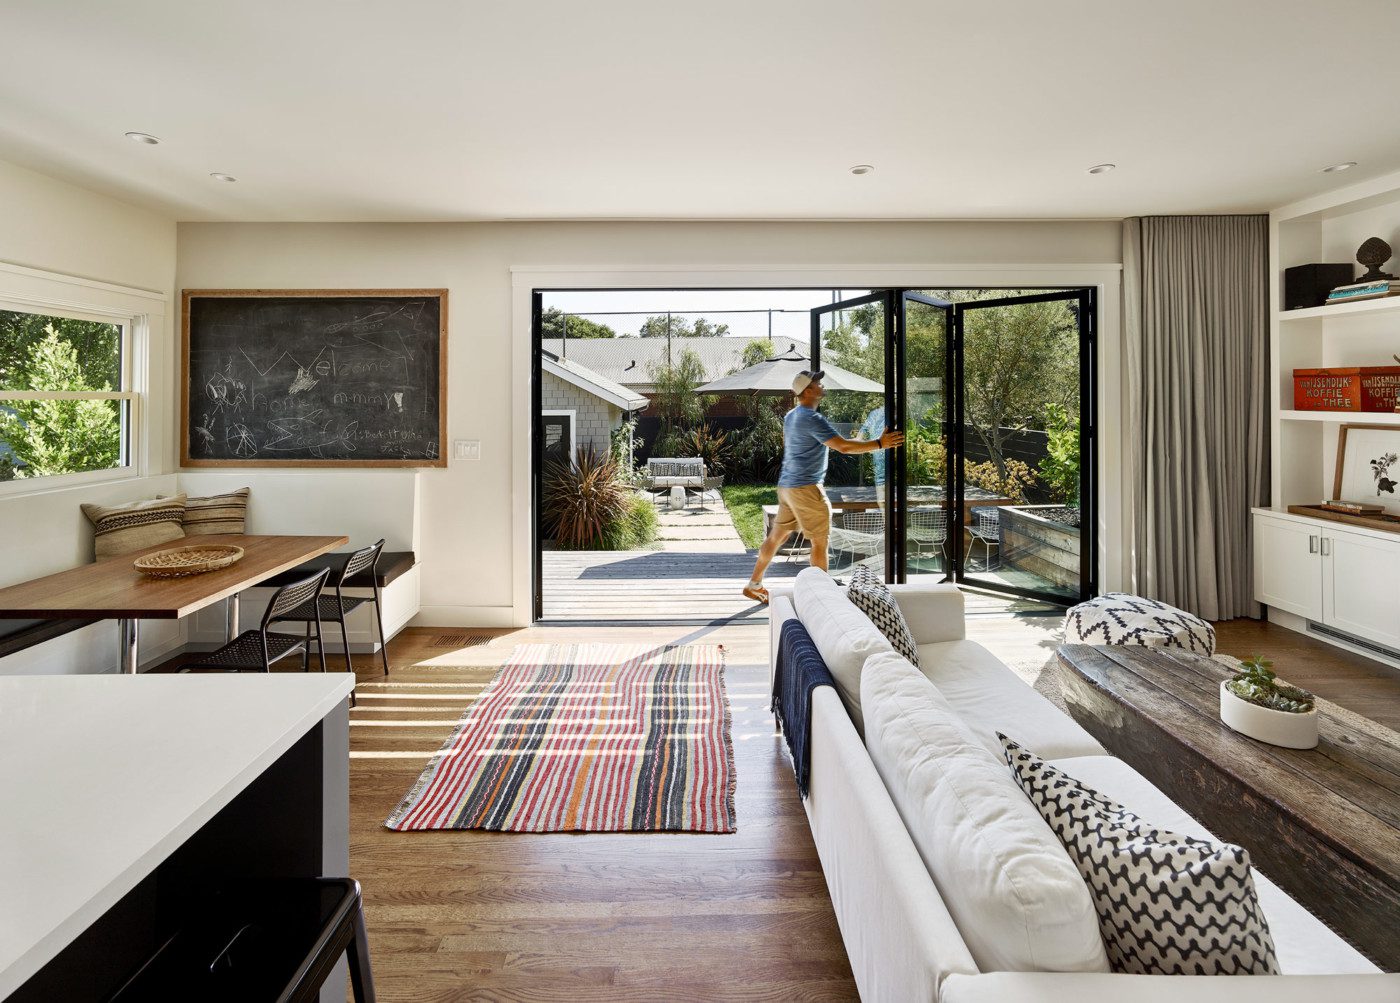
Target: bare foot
x,y
757,593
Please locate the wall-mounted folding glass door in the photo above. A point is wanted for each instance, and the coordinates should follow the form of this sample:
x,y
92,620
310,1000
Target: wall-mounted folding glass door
x,y
994,485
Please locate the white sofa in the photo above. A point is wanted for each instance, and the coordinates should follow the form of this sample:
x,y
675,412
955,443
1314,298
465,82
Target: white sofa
x,y
898,931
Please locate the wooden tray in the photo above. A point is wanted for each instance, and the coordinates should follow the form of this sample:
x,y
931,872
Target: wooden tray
x,y
182,561
1389,523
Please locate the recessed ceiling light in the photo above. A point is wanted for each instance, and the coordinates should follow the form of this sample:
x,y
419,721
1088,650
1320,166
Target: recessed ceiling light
x,y
1102,168
862,169
1339,167
223,177
143,137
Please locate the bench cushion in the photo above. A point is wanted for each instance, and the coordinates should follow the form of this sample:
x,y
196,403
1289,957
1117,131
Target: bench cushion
x,y
990,698
1017,898
391,565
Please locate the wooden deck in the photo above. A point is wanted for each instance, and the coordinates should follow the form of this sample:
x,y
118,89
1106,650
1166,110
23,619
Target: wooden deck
x,y
675,587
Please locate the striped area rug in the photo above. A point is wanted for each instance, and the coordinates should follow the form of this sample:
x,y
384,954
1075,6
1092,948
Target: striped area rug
x,y
587,738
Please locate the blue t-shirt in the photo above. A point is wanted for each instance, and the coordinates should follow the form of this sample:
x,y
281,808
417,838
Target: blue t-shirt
x,y
804,447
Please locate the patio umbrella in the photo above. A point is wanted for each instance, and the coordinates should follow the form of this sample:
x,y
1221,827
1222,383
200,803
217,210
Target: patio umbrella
x,y
774,376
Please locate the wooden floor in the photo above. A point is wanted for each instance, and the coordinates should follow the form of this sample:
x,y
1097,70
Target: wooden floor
x,y
491,916
477,915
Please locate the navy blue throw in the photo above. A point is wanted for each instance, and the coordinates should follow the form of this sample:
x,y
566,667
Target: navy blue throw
x,y
799,670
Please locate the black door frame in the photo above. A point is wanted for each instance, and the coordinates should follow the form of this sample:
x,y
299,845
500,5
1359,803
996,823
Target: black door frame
x,y
896,405
1086,314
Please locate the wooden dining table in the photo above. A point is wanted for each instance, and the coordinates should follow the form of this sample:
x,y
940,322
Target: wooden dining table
x,y
112,589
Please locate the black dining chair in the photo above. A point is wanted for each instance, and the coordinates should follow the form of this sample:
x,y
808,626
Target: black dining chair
x,y
258,649
335,608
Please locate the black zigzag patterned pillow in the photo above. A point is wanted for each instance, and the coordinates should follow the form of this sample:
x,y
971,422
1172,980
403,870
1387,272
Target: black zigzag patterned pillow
x,y
1120,618
872,598
1167,904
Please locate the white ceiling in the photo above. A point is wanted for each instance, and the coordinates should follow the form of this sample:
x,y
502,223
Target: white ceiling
x,y
708,109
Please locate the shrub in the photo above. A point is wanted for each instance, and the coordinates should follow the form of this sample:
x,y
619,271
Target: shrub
x,y
710,445
636,529
583,500
758,449
1059,470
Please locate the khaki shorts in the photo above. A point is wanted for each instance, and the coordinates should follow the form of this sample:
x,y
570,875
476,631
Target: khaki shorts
x,y
806,508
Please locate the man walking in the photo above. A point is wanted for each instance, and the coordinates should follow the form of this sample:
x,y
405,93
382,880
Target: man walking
x,y
802,503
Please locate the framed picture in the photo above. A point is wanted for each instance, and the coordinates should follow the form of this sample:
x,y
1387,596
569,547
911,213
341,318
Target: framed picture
x,y
1368,465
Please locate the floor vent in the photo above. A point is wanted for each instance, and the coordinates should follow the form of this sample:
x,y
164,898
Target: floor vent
x,y
460,640
1356,642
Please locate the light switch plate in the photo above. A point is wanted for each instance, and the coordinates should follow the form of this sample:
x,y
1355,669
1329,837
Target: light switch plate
x,y
467,449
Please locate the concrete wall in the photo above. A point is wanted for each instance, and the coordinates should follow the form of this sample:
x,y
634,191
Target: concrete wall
x,y
594,419
475,514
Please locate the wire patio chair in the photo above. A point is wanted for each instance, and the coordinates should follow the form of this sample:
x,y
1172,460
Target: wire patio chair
x,y
986,530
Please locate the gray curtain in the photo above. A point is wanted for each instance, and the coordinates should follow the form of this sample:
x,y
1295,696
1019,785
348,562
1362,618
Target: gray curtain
x,y
1195,306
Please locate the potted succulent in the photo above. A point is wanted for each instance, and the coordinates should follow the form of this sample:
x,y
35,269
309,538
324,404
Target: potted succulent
x,y
1255,702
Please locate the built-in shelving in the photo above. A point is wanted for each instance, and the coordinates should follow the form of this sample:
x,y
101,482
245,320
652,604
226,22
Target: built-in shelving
x,y
1347,417
1303,580
1382,305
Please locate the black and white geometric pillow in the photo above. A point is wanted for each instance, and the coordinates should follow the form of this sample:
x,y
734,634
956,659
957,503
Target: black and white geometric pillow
x,y
1167,904
872,598
1121,618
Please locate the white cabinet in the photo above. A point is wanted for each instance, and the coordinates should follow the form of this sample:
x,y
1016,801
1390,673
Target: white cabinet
x,y
1360,594
1327,574
1288,566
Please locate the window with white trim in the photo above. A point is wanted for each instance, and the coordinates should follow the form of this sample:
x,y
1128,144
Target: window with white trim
x,y
67,402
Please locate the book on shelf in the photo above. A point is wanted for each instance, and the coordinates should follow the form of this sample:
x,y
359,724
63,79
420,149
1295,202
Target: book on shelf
x,y
1364,291
1352,508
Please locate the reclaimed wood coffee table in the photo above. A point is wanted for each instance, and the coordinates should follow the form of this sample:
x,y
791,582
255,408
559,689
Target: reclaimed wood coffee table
x,y
1323,823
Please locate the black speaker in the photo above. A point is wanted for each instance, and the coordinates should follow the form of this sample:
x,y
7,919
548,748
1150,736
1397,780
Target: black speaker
x,y
1308,285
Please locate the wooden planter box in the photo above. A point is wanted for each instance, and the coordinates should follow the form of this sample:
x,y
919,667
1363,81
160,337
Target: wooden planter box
x,y
1031,542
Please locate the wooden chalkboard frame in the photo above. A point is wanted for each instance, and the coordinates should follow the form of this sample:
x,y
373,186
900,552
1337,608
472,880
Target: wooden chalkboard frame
x,y
186,460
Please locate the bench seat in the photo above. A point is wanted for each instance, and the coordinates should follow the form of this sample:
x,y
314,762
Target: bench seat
x,y
16,635
391,565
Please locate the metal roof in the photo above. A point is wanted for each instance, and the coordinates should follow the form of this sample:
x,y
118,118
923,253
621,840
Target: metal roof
x,y
587,380
628,360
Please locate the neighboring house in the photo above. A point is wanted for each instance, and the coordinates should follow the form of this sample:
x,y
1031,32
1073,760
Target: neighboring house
x,y
579,407
629,361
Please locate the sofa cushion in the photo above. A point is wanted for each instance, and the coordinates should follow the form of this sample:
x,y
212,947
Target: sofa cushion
x,y
1015,895
122,529
872,597
1168,903
1303,944
989,698
843,634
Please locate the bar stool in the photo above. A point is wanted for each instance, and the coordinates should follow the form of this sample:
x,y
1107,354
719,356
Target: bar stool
x,y
267,940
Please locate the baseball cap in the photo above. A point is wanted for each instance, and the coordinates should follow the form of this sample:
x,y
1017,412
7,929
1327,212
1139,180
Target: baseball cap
x,y
806,378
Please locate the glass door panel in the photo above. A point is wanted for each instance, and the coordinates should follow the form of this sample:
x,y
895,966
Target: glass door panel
x,y
1023,393
925,492
849,342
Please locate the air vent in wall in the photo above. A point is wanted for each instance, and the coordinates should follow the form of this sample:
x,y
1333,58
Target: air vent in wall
x,y
1380,649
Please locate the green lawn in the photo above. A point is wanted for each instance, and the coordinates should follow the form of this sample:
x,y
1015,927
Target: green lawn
x,y
745,503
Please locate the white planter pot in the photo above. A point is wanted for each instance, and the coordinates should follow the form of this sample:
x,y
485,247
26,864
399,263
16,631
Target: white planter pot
x,y
1276,727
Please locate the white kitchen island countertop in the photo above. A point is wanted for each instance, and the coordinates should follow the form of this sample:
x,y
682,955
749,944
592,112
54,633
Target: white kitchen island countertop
x,y
102,777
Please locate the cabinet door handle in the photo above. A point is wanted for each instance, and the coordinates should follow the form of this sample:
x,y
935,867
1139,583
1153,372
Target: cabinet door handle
x,y
1326,547
1312,544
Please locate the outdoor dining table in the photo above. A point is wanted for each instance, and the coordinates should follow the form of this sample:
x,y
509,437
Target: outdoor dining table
x,y
112,589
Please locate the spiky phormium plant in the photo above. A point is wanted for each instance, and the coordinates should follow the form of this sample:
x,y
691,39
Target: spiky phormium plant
x,y
1256,683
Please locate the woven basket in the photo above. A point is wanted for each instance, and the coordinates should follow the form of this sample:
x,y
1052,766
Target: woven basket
x,y
184,561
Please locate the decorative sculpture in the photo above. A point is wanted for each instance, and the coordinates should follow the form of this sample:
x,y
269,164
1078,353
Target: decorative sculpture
x,y
1374,253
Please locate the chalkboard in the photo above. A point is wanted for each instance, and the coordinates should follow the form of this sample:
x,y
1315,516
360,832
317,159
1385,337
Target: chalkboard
x,y
334,378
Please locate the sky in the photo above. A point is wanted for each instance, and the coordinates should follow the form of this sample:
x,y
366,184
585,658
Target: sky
x,y
711,303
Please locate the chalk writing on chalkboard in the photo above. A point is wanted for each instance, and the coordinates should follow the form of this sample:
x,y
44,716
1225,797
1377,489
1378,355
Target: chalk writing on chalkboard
x,y
314,378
